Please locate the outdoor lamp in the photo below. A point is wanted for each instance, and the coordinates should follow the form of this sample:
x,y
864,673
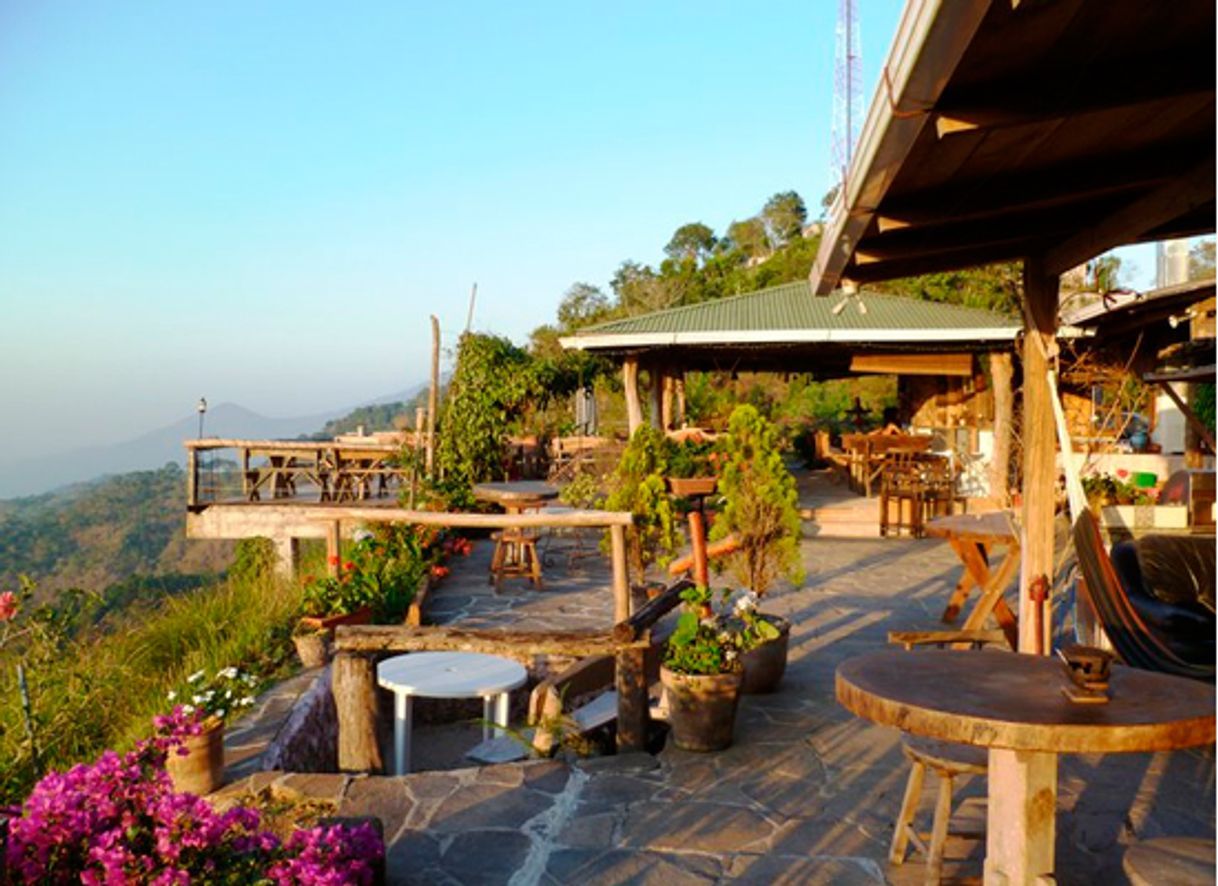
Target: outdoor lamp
x,y
202,407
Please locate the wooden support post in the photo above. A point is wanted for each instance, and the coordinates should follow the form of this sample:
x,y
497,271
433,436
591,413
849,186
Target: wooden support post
x,y
633,713
621,580
1023,796
354,690
666,402
192,478
287,551
1039,452
679,391
245,473
433,395
630,384
657,395
1001,373
697,540
420,428
334,548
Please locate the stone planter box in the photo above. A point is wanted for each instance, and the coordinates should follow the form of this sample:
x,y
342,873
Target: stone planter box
x,y
1140,517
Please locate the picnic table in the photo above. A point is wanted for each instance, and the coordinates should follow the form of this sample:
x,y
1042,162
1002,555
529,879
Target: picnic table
x,y
1013,705
973,537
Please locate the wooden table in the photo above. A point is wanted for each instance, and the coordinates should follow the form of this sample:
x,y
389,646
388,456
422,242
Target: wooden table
x,y
517,496
972,537
1013,705
447,675
516,550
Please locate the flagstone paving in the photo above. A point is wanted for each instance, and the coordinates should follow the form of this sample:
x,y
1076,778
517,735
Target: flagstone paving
x,y
807,793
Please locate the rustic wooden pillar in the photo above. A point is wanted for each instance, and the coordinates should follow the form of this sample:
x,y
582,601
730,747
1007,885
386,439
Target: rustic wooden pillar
x,y
1039,454
334,547
657,395
666,402
697,541
354,690
621,579
632,703
433,395
630,384
679,391
192,478
1023,796
1001,373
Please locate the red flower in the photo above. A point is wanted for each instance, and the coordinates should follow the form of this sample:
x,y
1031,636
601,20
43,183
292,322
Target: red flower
x,y
439,571
332,559
348,565
8,606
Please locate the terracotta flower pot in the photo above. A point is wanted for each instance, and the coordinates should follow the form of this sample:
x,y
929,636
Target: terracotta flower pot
x,y
765,664
313,647
323,622
701,708
687,486
201,769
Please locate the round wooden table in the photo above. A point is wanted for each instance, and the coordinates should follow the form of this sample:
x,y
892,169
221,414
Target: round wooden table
x,y
516,496
1013,705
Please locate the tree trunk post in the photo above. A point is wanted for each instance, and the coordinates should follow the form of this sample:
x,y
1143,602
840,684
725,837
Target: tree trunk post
x,y
679,391
697,540
354,689
621,580
632,703
630,384
1039,455
192,478
1002,372
657,395
334,548
433,395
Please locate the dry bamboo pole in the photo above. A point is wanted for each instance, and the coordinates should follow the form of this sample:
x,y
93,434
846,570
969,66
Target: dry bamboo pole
x,y
433,395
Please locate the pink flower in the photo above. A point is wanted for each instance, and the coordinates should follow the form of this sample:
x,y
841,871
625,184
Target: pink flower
x,y
8,606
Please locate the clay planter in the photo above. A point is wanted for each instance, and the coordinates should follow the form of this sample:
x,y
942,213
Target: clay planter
x,y
764,665
313,647
329,622
701,709
201,770
687,486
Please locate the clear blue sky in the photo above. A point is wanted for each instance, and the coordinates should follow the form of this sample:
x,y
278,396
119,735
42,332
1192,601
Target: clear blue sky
x,y
262,202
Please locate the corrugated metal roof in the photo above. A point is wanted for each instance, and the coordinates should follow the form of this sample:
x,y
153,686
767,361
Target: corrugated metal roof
x,y
792,307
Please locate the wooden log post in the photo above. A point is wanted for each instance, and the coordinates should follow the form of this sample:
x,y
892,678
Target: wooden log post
x,y
354,690
657,395
1001,374
679,393
334,547
192,478
1039,454
621,578
666,402
633,712
630,385
697,540
433,395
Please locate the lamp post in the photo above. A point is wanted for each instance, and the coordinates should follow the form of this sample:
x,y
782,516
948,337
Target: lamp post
x,y
202,407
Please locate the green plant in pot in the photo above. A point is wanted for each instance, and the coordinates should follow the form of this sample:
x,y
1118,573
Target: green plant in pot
x,y
637,486
701,674
763,640
693,467
211,700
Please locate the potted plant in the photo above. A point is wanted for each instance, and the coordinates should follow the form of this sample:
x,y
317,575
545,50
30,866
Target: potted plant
x,y
760,504
693,467
208,702
701,674
763,640
637,486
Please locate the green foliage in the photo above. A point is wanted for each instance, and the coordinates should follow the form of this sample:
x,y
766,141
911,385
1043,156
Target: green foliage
x,y
692,242
98,687
1105,489
784,216
254,560
993,287
373,417
581,305
760,503
690,458
698,646
1201,260
1203,403
637,486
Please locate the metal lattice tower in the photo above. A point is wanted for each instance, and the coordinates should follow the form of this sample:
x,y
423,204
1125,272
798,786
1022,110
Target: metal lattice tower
x,y
847,89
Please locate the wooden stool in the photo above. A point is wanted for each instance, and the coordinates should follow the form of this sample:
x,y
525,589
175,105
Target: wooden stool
x,y
949,761
1170,861
515,554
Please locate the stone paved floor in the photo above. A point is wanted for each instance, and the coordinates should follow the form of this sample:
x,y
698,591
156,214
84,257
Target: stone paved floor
x,y
807,794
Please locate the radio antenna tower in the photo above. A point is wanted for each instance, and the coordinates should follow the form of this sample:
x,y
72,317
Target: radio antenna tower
x,y
847,89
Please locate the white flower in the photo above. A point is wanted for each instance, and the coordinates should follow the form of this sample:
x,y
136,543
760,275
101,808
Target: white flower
x,y
730,655
198,699
361,535
746,602
195,677
209,694
188,709
171,695
250,679
220,713
247,701
229,673
228,694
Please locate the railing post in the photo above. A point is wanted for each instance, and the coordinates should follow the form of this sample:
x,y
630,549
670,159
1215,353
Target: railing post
x,y
633,713
333,547
621,581
354,689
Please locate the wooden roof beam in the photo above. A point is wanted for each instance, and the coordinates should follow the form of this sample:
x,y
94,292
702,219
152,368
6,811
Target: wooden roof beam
x,y
1176,199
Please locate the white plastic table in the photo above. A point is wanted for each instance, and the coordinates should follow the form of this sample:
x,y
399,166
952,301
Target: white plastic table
x,y
446,675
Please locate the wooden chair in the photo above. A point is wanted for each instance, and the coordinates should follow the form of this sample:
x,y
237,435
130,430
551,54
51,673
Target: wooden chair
x,y
1170,861
901,487
515,554
949,761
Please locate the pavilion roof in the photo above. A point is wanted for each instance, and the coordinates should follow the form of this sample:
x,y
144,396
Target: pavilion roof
x,y
1003,130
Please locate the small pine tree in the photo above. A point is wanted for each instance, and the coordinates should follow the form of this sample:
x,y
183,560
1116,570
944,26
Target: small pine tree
x,y
760,504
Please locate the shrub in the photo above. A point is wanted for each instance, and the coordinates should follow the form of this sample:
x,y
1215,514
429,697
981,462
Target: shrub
x,y
759,504
637,486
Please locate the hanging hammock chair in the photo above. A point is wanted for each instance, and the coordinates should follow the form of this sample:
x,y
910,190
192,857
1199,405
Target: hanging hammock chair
x,y
1139,626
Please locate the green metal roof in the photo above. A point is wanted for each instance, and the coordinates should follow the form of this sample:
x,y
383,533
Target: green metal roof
x,y
790,313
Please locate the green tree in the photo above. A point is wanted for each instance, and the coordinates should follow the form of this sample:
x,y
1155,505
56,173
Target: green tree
x,y
749,236
1106,273
1201,260
582,305
692,242
637,486
784,215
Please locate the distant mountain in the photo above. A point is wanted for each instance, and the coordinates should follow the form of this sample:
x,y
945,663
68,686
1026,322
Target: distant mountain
x,y
163,445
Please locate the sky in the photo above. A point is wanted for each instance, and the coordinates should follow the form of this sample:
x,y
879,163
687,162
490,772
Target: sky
x,y
263,202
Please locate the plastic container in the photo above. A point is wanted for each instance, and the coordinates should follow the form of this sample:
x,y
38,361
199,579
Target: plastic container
x,y
1144,479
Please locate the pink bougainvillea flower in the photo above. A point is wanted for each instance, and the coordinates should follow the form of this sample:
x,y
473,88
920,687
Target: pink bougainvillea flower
x,y
8,606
